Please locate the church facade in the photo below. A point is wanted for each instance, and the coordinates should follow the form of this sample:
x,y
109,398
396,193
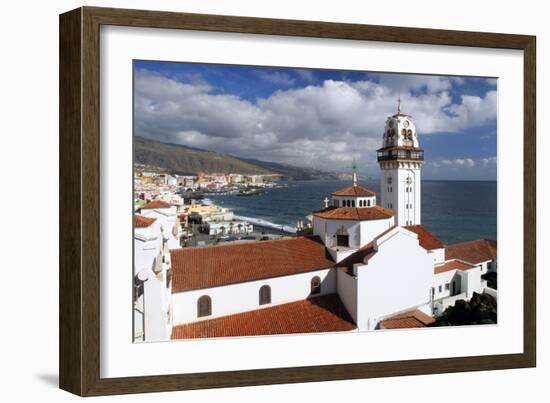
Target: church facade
x,y
369,264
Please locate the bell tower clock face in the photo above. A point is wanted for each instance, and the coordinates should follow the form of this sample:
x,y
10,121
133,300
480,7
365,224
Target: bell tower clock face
x,y
406,123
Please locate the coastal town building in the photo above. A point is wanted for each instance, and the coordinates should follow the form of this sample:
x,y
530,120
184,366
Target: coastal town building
x,y
370,264
230,228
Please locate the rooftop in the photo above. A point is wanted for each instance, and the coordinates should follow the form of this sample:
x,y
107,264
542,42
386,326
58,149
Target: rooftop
x,y
315,315
452,265
426,239
142,222
204,267
407,320
476,252
355,191
354,213
155,204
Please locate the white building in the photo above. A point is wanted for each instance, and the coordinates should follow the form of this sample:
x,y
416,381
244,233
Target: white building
x,y
170,180
230,228
167,216
171,198
367,266
152,294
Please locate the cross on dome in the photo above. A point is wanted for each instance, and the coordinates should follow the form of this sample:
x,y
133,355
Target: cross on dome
x,y
399,104
354,176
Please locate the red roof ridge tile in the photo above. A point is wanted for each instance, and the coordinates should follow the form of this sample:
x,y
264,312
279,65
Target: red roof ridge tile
x,y
426,239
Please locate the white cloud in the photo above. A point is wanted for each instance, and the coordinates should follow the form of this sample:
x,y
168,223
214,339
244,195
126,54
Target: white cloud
x,y
489,161
461,168
463,162
276,78
406,83
319,125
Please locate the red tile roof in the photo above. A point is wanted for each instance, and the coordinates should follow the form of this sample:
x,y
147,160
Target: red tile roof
x,y
353,213
211,266
315,315
452,265
156,204
355,191
476,252
426,239
407,320
142,222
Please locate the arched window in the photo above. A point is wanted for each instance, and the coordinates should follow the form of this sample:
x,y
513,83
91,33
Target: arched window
x,y
204,306
353,203
315,285
265,295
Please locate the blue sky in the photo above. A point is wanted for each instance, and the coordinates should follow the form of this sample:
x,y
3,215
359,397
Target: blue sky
x,y
318,118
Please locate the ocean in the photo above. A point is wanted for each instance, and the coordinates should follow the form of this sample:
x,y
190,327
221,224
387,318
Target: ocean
x,y
455,211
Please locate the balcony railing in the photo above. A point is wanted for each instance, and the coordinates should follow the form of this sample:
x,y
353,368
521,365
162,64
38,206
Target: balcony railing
x,y
399,154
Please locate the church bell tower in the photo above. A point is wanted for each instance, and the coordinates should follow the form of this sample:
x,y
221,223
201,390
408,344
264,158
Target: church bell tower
x,y
400,160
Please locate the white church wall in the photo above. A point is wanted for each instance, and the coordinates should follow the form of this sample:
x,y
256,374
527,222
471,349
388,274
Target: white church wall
x,y
147,246
394,195
347,291
156,319
166,219
438,255
332,226
342,201
372,228
398,277
144,254
387,180
408,202
360,232
242,297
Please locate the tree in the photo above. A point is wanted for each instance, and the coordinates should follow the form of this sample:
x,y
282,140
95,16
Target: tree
x,y
491,278
480,310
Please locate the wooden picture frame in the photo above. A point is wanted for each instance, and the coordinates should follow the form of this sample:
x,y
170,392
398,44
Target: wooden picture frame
x,y
80,194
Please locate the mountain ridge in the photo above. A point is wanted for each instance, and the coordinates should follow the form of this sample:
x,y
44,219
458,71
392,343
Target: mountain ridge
x,y
184,160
